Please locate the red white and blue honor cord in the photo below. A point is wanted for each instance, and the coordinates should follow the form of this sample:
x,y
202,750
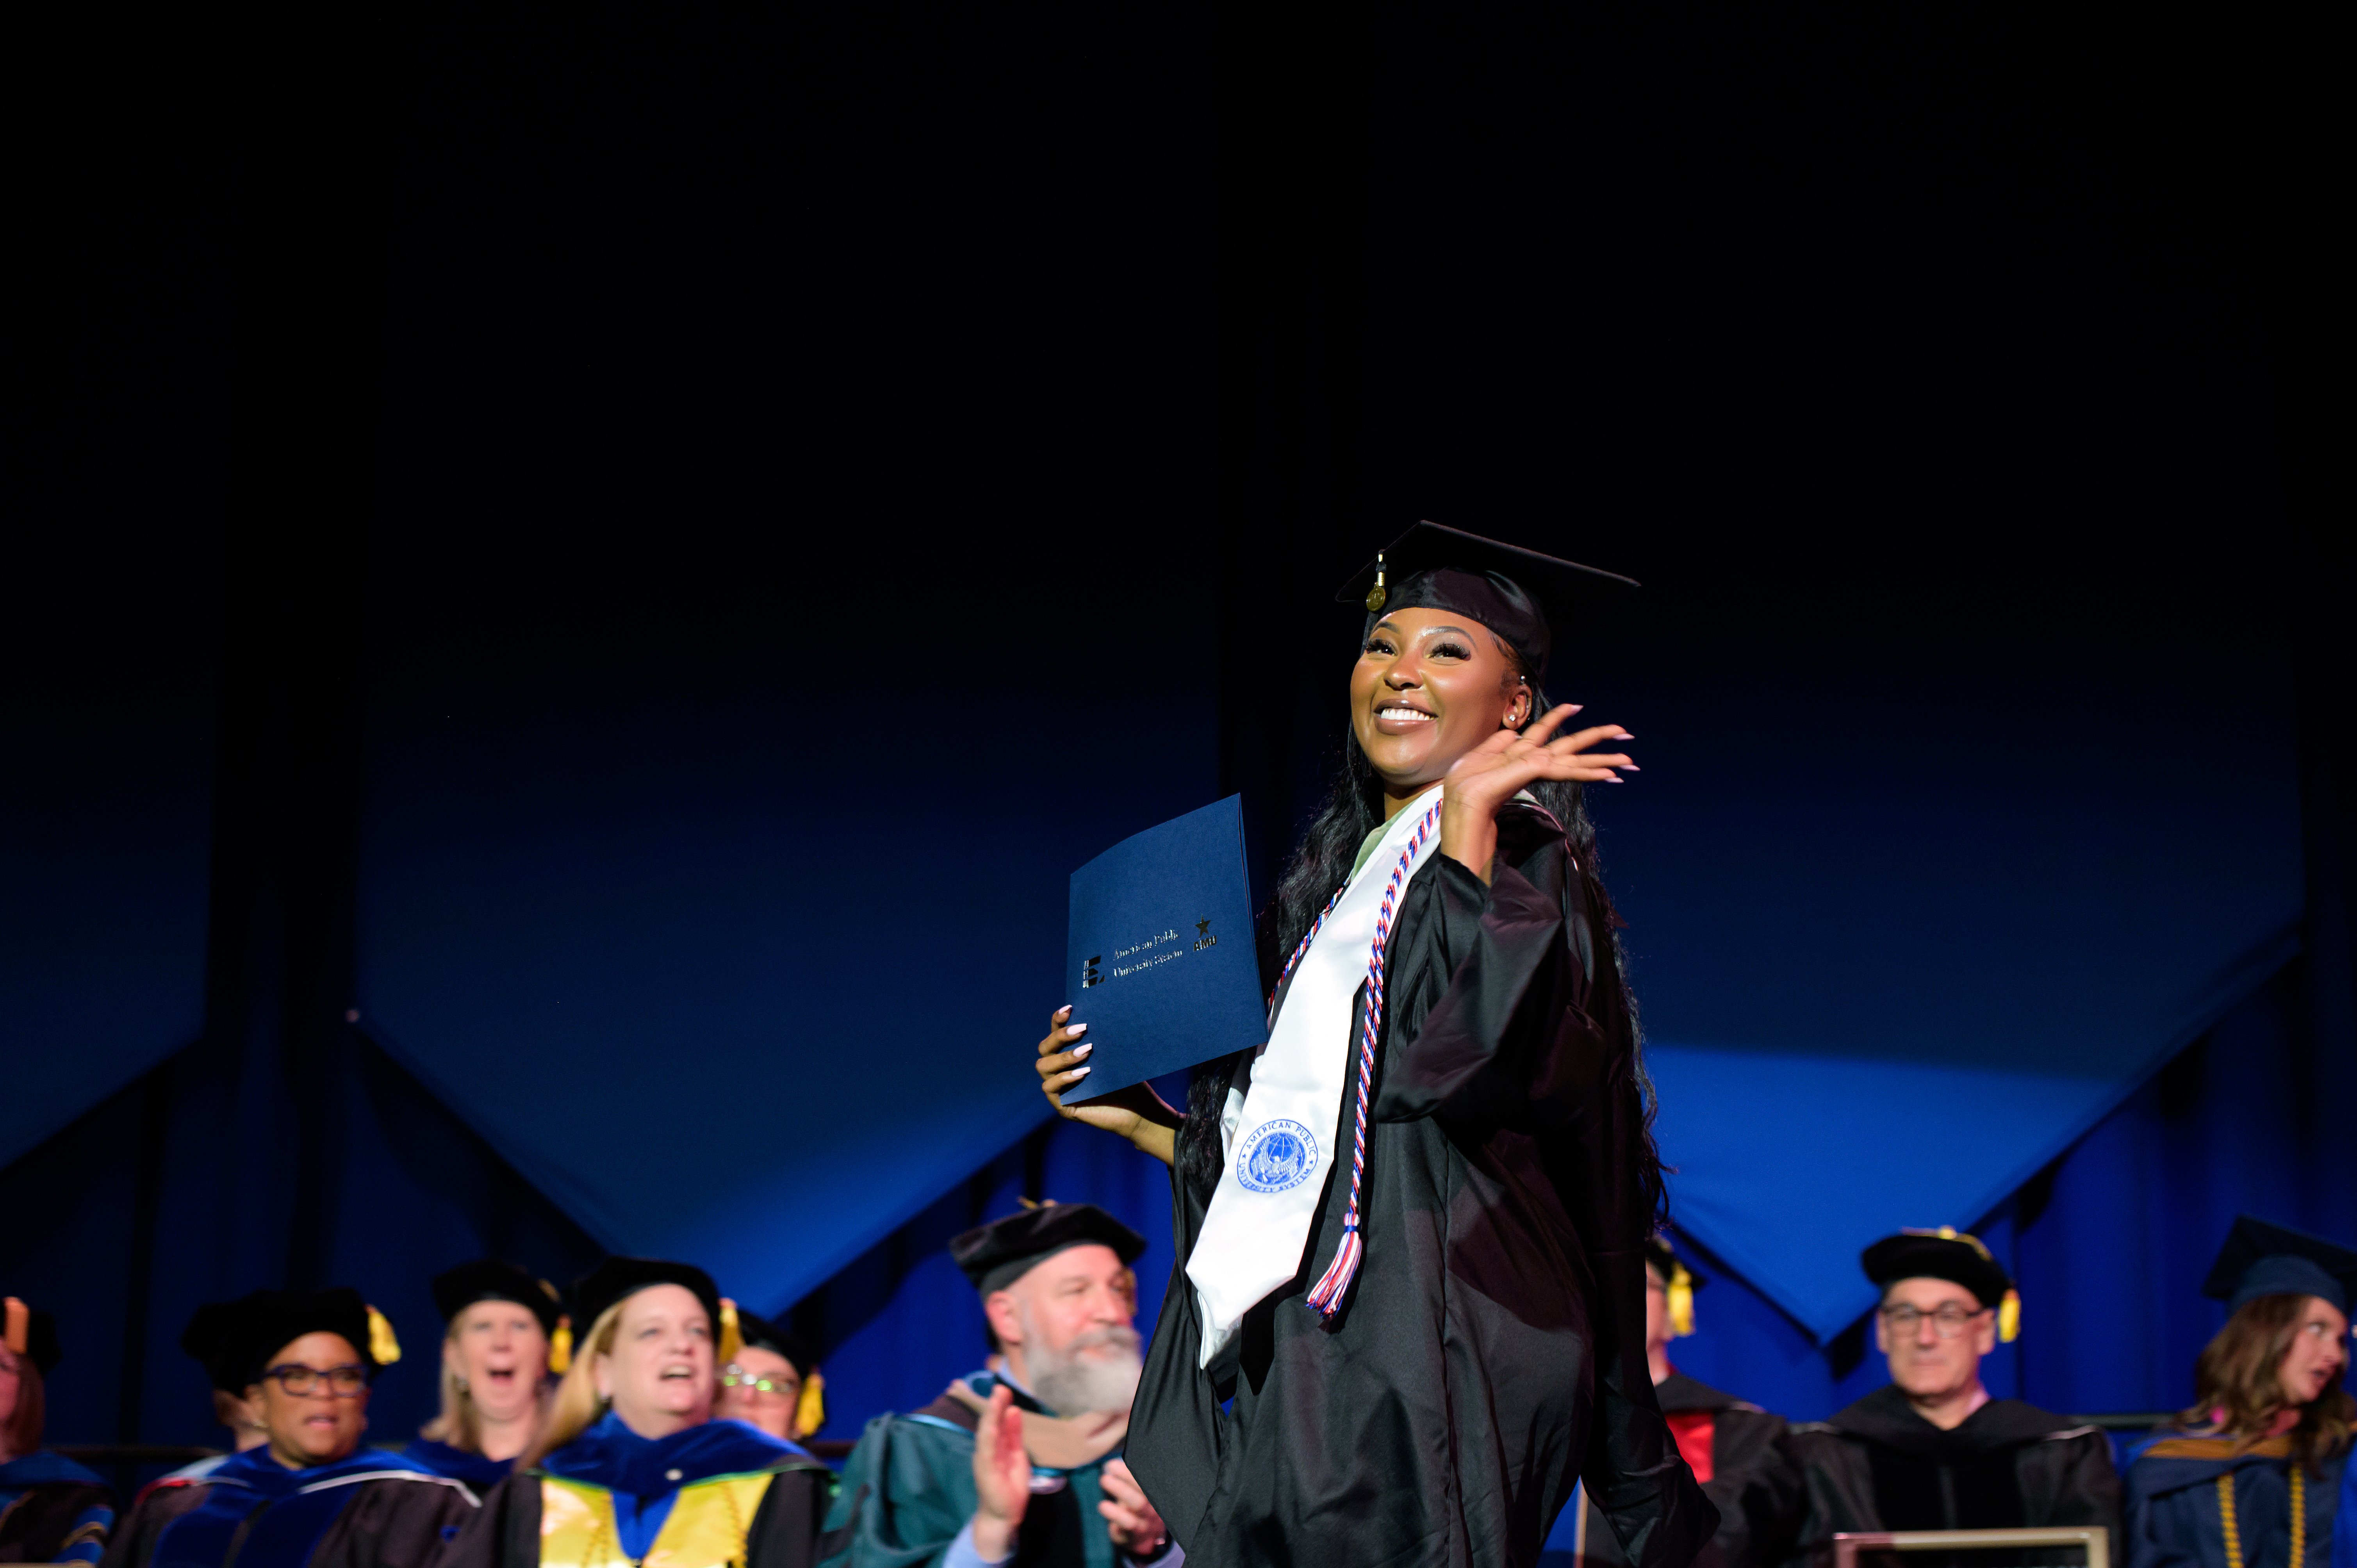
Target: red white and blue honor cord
x,y
1326,1296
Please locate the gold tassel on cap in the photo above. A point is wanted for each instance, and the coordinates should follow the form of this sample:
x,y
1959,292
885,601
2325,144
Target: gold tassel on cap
x,y
1681,1300
810,1411
732,1339
2008,1317
19,1329
560,1348
1377,594
384,1349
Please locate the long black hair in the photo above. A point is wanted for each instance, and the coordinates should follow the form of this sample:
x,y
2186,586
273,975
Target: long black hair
x,y
1321,863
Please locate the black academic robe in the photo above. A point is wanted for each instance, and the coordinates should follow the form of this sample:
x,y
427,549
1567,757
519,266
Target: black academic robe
x,y
1879,1465
1752,1482
1493,1347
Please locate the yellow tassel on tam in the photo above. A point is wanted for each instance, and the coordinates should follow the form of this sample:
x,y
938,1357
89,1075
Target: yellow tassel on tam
x,y
2008,1317
560,1348
810,1411
19,1326
384,1349
732,1339
1680,1302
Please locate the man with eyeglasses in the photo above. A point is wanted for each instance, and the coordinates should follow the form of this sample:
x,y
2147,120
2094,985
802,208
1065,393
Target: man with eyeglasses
x,y
1933,1450
310,1496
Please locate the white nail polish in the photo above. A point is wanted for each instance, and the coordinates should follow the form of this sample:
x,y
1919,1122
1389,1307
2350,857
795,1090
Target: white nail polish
x,y
1084,1051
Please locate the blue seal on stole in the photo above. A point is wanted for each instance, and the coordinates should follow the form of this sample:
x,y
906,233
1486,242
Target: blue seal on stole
x,y
1277,1156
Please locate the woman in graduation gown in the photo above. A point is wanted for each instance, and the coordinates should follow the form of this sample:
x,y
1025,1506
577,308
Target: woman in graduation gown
x,y
632,1466
2249,1477
311,1496
51,1510
1412,1310
500,1325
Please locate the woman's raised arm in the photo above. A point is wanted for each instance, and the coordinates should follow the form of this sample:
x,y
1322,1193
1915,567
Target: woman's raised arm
x,y
1136,1114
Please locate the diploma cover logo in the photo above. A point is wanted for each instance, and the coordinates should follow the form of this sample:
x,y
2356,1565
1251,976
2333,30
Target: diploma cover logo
x,y
1275,1156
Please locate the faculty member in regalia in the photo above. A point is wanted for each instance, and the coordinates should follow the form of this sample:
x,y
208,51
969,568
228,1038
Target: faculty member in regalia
x,y
1933,1449
311,1497
1412,1308
1739,1452
2250,1475
500,1323
51,1508
772,1384
632,1466
1020,1462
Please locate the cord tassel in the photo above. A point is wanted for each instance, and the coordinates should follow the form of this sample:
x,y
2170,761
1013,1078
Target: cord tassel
x,y
1334,1284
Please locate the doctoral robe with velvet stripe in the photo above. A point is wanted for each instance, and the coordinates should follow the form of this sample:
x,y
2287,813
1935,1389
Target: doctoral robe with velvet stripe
x,y
720,1492
52,1511
371,1510
1493,1349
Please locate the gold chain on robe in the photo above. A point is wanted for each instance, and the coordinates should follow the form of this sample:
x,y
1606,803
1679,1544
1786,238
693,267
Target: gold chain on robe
x,y
707,1527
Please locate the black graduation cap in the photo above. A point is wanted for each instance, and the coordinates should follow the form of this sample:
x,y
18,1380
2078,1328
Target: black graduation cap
x,y
996,1255
1946,1254
2260,1258
763,1333
240,1340
617,1278
32,1334
1678,1283
1522,595
488,1279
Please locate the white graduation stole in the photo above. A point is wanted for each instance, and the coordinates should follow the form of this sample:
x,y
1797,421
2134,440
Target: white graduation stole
x,y
1278,1144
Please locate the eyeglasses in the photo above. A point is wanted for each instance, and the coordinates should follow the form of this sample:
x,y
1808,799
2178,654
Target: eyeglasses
x,y
1947,1322
735,1377
344,1383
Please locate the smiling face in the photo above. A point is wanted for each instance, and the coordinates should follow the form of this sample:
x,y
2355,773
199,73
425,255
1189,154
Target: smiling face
x,y
320,1426
500,1355
2319,1348
773,1412
1067,1327
1429,686
660,1373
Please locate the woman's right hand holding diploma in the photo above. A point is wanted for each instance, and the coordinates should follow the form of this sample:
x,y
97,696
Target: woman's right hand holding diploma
x,y
1136,1114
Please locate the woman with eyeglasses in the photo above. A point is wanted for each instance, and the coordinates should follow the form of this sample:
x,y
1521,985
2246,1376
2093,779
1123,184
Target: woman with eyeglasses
x,y
2250,1475
309,1497
501,1325
632,1466
773,1383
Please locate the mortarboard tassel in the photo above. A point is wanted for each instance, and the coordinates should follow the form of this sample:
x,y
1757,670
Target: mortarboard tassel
x,y
2008,1317
20,1327
560,1348
810,1411
1377,594
384,1349
731,1337
1680,1302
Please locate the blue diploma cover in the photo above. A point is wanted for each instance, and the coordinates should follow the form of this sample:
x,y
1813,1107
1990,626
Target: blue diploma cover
x,y
1161,961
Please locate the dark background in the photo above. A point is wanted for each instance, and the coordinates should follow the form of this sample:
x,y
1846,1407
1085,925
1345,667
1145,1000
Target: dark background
x,y
703,516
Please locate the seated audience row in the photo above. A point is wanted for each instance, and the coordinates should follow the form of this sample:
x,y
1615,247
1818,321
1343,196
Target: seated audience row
x,y
667,1431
